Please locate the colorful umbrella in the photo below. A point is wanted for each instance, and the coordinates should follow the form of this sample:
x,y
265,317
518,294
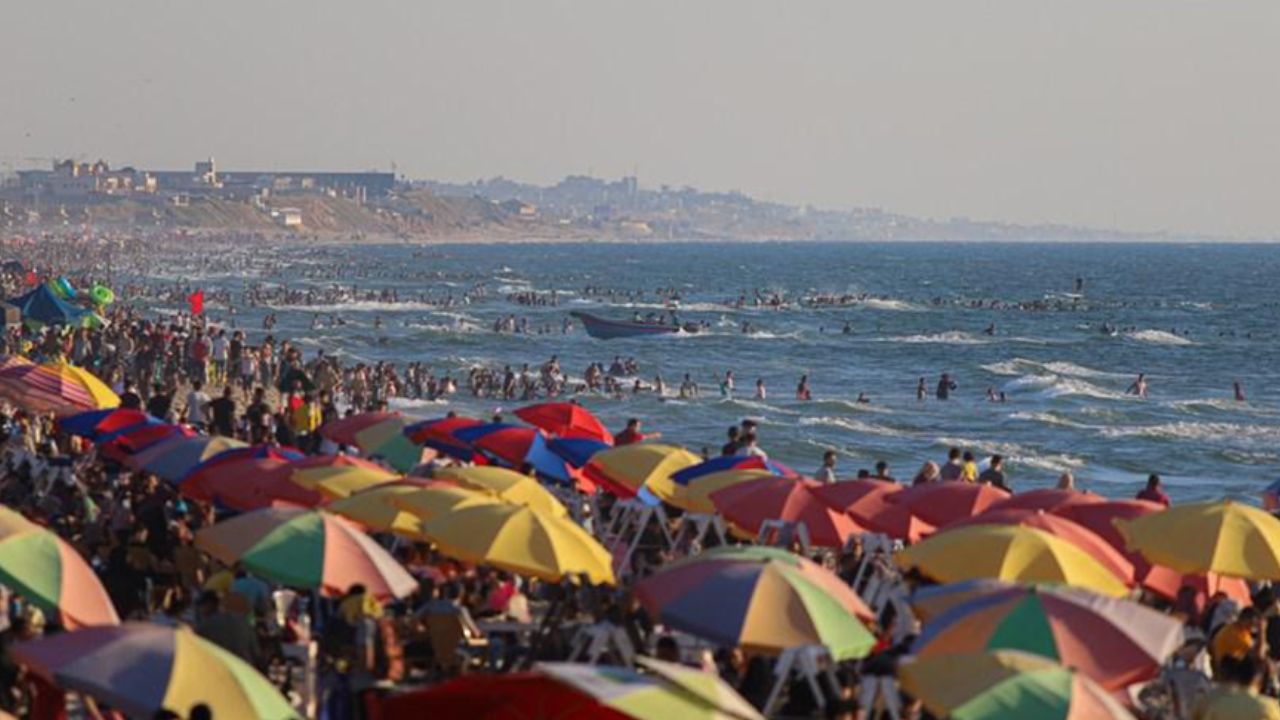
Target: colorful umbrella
x,y
1223,537
123,444
343,430
696,496
566,420
47,571
440,435
576,451
521,540
306,549
250,484
1009,552
93,424
249,452
507,485
731,462
55,387
1047,499
624,470
516,447
943,503
749,504
761,599
141,668
375,509
1058,526
870,505
338,476
173,459
1114,642
438,499
386,440
1007,684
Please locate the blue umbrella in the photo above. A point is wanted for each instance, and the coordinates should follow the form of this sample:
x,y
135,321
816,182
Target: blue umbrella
x,y
730,462
576,451
42,306
516,446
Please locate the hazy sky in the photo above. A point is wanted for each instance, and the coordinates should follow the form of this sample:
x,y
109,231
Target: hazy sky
x,y
1147,114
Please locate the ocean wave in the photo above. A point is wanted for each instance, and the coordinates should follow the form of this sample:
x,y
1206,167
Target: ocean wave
x,y
758,405
1055,386
361,306
897,305
1022,366
849,424
1046,418
1212,432
1017,456
1158,337
951,337
403,403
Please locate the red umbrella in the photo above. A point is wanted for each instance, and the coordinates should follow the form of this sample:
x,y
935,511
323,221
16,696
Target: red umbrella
x,y
134,442
343,431
749,504
943,503
867,502
250,484
1100,517
1047,499
567,420
1074,533
440,435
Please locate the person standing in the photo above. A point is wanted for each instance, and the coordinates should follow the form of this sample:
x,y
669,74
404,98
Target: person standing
x,y
994,474
827,473
954,469
946,386
1153,492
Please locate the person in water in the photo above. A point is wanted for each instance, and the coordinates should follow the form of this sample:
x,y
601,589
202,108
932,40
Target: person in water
x,y
1139,386
802,390
1239,391
922,390
1153,492
946,386
760,391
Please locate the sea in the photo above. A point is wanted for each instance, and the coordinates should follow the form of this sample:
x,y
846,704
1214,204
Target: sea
x,y
1071,327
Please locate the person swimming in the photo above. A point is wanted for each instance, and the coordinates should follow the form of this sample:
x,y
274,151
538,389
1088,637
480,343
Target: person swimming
x,y
760,391
1139,386
802,389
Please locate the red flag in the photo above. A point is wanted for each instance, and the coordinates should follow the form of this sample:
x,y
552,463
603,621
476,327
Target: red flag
x,y
32,280
196,301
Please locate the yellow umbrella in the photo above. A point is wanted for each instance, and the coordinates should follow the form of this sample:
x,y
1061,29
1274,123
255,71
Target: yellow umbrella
x,y
1224,537
1016,553
375,509
104,396
339,481
625,470
426,503
507,485
696,496
521,540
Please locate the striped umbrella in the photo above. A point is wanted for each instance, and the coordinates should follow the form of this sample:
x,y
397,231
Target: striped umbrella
x,y
1007,684
731,462
441,435
250,484
124,444
47,571
55,387
141,668
516,447
1058,526
375,509
306,549
624,470
506,485
172,460
261,451
748,505
566,420
93,424
762,599
943,503
1115,642
576,451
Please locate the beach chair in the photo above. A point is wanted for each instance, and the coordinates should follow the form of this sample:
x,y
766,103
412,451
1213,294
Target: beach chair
x,y
693,531
813,664
593,643
781,533
878,697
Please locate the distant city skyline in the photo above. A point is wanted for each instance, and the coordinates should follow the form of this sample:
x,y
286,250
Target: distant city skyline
x,y
1149,115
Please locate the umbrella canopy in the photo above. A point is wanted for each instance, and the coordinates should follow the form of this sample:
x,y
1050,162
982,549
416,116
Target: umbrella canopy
x,y
140,668
869,503
762,599
576,451
1114,642
749,504
1007,684
1009,552
93,424
1047,499
343,430
440,435
249,452
1074,533
44,307
507,485
943,503
521,540
386,440
375,510
426,503
338,476
731,462
696,496
1224,537
123,444
306,549
56,387
565,691
515,447
250,484
172,460
624,470
50,573
566,420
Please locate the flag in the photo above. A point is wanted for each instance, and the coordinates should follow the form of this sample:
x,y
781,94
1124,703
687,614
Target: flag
x,y
32,279
196,301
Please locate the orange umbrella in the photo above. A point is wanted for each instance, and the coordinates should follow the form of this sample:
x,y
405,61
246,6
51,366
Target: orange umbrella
x,y
869,503
748,505
1047,499
942,503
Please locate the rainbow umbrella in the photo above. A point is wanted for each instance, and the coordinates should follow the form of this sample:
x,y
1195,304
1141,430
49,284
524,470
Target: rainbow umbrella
x,y
1009,552
506,485
55,387
141,668
625,470
343,430
173,459
568,691
386,440
93,424
731,462
375,509
1224,537
943,503
762,599
1115,642
441,435
748,505
306,549
515,447
1058,526
43,568
250,484
124,444
249,452
521,540
566,420
1007,684
337,476
1046,499
869,503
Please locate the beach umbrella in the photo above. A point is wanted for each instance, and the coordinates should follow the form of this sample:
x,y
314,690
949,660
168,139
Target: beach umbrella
x,y
173,459
306,549
516,447
521,540
386,440
1006,684
507,485
868,502
1009,552
440,435
566,420
1271,497
250,484
1101,519
942,503
123,444
93,424
1058,526
1115,642
625,470
1232,702
50,574
573,691
261,451
696,496
141,668
576,451
761,599
438,499
748,505
1047,499
1224,537
343,430
337,476
376,510
731,462
42,306
56,387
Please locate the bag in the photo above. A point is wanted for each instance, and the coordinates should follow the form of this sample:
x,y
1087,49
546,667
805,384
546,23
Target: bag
x,y
388,651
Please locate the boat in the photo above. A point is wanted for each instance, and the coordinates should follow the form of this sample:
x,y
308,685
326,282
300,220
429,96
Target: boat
x,y
606,329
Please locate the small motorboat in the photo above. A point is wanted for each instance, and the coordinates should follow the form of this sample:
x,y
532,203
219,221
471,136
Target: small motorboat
x,y
606,329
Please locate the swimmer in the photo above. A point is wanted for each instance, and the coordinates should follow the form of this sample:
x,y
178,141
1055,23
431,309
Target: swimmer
x,y
1239,391
863,399
802,389
946,386
1139,386
760,391
922,391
